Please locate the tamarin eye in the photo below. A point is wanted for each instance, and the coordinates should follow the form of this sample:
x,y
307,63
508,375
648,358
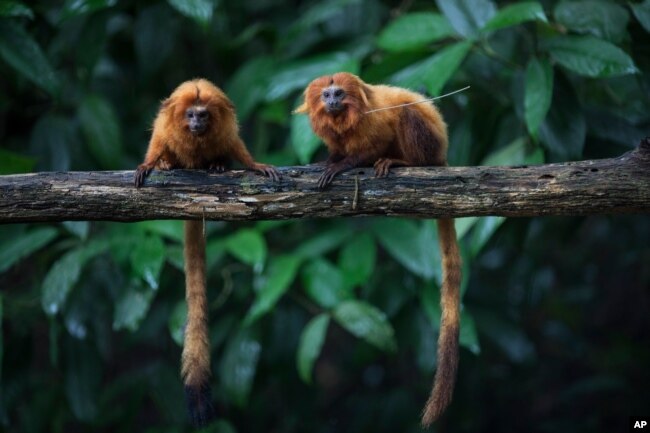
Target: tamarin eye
x,y
189,114
202,114
338,92
326,94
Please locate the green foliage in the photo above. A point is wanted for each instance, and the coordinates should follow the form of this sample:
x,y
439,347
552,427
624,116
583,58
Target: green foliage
x,y
415,30
589,56
366,322
22,244
22,52
311,343
516,14
239,364
322,323
539,92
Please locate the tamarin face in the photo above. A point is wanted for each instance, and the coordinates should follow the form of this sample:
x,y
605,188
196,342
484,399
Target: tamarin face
x,y
197,119
341,93
333,97
199,107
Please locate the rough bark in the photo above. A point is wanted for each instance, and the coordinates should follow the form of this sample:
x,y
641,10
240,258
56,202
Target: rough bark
x,y
606,186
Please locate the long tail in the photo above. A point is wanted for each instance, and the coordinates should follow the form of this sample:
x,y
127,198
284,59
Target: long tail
x,y
443,384
195,369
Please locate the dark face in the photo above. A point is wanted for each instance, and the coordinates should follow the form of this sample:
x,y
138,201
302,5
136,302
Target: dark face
x,y
332,97
198,119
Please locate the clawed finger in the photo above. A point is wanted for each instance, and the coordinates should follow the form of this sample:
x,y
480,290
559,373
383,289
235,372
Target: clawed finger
x,y
140,175
270,172
326,178
382,168
273,174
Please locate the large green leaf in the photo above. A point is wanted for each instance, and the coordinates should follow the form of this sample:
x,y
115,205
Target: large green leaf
x,y
414,246
589,56
414,30
272,285
303,140
366,322
147,259
603,19
198,10
467,17
16,248
357,259
516,13
22,52
434,71
238,365
310,345
65,272
10,8
538,93
248,246
131,308
642,13
297,75
101,130
324,283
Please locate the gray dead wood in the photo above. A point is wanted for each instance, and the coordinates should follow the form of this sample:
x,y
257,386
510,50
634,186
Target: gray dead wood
x,y
606,186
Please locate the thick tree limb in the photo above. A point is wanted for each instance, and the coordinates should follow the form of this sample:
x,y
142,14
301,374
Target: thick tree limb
x,y
616,185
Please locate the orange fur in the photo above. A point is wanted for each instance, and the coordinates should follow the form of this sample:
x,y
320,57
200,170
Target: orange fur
x,y
408,136
174,145
384,138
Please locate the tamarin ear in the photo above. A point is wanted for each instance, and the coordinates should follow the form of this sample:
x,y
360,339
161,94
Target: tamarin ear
x,y
365,92
302,109
165,103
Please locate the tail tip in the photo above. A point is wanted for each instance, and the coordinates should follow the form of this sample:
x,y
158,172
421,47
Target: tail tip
x,y
199,404
432,412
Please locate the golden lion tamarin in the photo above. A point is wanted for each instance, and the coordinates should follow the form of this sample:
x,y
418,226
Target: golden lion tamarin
x,y
196,127
415,135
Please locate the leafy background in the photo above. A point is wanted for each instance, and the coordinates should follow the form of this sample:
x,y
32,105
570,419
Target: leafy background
x,y
325,325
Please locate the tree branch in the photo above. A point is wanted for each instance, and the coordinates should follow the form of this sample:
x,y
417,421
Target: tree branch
x,y
606,186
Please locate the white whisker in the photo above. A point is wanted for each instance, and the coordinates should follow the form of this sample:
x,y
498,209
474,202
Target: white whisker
x,y
418,102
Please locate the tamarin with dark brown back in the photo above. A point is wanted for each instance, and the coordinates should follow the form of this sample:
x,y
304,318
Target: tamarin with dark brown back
x,y
196,127
413,135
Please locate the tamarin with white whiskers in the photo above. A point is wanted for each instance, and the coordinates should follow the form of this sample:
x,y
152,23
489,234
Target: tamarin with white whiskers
x,y
338,107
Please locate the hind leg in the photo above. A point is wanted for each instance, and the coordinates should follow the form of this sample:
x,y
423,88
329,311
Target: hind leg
x,y
383,165
421,140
